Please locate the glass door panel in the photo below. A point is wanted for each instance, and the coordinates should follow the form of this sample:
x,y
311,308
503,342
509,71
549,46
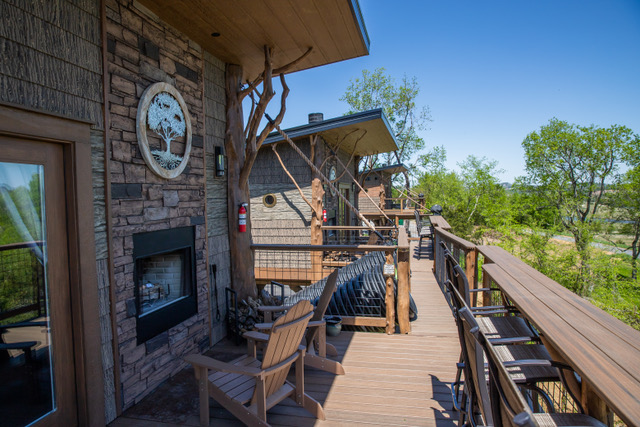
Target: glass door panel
x,y
35,333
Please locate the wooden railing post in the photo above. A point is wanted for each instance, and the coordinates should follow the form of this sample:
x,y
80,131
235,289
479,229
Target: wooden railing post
x,y
404,284
471,262
389,299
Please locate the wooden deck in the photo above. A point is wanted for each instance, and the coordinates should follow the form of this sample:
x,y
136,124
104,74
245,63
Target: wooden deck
x,y
397,380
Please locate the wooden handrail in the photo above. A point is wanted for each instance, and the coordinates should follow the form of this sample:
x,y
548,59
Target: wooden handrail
x,y
439,222
312,248
601,348
456,245
354,227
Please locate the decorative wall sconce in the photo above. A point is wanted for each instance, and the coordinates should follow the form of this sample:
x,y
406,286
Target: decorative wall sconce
x,y
219,156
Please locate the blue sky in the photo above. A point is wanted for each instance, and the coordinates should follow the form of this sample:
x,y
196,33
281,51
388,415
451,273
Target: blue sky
x,y
492,71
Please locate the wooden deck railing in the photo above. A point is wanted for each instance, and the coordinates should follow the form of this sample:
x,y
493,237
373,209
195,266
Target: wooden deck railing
x,y
603,351
464,251
296,266
355,235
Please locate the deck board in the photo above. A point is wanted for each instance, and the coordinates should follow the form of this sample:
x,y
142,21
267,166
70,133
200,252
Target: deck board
x,y
398,380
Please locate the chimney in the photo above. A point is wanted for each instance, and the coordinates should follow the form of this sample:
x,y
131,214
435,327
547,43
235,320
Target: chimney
x,y
316,117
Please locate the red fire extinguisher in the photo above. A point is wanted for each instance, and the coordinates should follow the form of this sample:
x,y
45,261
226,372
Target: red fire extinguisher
x,y
324,215
242,218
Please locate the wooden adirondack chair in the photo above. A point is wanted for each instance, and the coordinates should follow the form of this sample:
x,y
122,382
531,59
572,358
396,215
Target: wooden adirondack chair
x,y
248,387
316,337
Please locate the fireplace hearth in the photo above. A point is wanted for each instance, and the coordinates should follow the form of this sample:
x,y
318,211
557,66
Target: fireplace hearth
x,y
164,272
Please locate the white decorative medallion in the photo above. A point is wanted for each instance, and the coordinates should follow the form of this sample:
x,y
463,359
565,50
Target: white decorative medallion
x,y
163,111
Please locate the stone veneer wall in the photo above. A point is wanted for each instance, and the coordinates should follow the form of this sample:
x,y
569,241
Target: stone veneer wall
x,y
217,222
143,50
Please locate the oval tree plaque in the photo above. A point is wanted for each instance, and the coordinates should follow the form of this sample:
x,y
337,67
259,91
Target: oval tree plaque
x,y
164,112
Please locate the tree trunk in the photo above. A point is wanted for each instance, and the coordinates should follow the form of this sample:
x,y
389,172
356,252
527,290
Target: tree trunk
x,y
242,273
317,196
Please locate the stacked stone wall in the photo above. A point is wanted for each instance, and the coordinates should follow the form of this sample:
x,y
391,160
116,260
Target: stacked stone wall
x,y
142,50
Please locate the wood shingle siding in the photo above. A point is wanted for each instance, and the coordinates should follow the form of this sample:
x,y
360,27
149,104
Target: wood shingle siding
x,y
55,57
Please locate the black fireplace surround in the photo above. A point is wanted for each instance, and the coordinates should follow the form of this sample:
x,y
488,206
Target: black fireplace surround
x,y
163,300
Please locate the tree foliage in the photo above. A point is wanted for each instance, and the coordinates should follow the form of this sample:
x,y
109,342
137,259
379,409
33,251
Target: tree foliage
x,y
399,102
470,198
624,201
569,167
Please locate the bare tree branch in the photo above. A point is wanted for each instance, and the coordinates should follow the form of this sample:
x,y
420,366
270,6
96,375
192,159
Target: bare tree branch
x,y
318,214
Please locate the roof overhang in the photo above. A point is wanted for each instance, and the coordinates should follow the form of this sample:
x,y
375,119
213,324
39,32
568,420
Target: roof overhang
x,y
362,134
333,28
391,169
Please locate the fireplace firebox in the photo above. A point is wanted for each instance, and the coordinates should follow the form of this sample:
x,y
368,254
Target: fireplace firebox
x,y
164,272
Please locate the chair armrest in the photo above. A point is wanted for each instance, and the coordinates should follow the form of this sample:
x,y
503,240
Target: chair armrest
x,y
512,340
538,362
198,360
484,289
274,308
316,323
488,312
263,326
256,336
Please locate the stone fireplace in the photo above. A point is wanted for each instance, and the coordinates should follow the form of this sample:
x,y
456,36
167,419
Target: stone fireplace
x,y
164,274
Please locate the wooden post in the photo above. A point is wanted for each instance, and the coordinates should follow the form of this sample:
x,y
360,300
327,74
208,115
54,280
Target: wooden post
x,y
595,406
404,285
389,299
471,260
589,400
317,196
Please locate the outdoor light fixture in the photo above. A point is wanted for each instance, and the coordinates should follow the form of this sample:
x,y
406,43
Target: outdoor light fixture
x,y
219,156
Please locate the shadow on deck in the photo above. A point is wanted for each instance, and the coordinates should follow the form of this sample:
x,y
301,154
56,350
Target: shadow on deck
x,y
396,380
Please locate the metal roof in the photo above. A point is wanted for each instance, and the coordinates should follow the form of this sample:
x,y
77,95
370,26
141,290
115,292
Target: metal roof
x,y
363,133
391,169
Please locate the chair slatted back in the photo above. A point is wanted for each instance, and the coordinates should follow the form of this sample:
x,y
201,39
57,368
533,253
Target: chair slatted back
x,y
458,276
284,340
323,302
475,361
506,400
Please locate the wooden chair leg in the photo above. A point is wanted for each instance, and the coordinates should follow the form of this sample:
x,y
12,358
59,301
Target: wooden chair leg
x,y
261,399
302,398
203,391
331,350
300,379
322,341
252,349
324,364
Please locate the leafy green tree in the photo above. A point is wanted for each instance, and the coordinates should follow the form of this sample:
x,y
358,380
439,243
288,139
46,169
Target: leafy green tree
x,y
470,198
378,90
625,203
570,167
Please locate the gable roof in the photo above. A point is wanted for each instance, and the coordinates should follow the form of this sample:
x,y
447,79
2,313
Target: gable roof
x,y
363,133
334,28
391,169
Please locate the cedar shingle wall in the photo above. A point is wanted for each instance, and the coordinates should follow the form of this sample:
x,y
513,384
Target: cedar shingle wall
x,y
52,59
217,222
288,221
